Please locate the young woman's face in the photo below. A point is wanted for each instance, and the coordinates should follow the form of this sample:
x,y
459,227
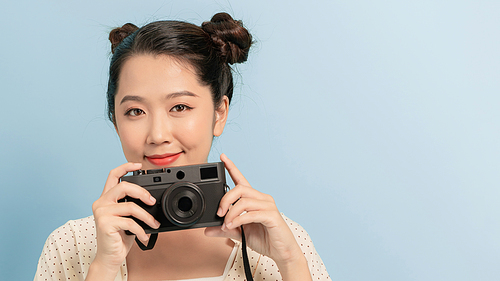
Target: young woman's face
x,y
164,116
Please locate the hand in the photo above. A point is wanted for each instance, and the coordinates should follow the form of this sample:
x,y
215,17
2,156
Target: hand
x,y
265,230
111,219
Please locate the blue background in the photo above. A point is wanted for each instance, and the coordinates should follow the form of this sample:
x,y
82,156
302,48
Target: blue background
x,y
374,124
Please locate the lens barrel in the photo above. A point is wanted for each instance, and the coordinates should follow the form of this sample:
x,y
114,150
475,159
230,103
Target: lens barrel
x,y
183,204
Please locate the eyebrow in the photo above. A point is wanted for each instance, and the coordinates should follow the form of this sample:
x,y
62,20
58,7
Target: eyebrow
x,y
181,94
131,98
168,97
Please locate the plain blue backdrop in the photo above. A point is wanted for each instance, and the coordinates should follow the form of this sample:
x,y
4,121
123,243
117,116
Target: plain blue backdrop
x,y
374,124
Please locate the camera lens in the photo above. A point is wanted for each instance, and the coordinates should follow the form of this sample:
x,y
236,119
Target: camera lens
x,y
183,204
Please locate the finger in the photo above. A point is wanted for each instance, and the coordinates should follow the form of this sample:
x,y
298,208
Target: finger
x,y
127,209
118,172
235,174
266,218
247,205
238,192
112,225
129,189
131,209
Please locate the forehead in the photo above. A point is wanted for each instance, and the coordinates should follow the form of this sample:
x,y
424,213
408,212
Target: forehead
x,y
157,75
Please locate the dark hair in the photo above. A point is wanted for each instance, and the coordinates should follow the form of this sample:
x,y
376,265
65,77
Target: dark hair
x,y
209,49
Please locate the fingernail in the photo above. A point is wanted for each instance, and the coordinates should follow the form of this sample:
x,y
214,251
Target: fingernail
x,y
137,164
157,223
223,227
219,212
153,200
228,225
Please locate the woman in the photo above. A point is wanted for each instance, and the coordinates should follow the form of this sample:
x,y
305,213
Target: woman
x,y
169,91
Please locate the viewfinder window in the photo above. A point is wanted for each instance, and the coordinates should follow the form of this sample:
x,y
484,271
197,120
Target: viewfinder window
x,y
208,173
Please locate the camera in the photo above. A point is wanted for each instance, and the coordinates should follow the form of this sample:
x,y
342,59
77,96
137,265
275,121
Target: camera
x,y
186,196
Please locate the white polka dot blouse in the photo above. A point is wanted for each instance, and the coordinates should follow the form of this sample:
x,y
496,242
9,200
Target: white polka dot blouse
x,y
70,249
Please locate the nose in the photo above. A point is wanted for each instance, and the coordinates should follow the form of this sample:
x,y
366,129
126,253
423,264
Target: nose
x,y
159,131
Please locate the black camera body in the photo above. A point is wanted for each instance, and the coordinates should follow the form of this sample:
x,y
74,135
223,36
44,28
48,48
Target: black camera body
x,y
186,196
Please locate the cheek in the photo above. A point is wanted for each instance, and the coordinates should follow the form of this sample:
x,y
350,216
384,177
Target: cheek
x,y
131,140
196,132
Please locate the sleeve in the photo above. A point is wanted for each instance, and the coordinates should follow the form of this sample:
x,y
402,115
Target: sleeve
x,y
59,259
316,266
69,251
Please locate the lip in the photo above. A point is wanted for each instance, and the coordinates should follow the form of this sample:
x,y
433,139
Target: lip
x,y
163,159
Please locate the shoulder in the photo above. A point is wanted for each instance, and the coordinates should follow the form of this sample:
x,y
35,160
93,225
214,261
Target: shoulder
x,y
301,236
68,251
316,266
75,237
298,231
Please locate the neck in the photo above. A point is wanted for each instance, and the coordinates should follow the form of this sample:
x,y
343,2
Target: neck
x,y
182,254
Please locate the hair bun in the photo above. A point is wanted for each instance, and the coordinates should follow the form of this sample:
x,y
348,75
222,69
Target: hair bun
x,y
117,35
229,36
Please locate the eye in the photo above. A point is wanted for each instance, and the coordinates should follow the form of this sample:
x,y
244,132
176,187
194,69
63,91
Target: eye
x,y
134,112
180,108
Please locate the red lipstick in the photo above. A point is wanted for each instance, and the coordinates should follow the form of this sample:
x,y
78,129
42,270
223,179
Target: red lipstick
x,y
164,159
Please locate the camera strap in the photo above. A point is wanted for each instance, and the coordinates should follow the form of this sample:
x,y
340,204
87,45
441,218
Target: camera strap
x,y
151,242
246,264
